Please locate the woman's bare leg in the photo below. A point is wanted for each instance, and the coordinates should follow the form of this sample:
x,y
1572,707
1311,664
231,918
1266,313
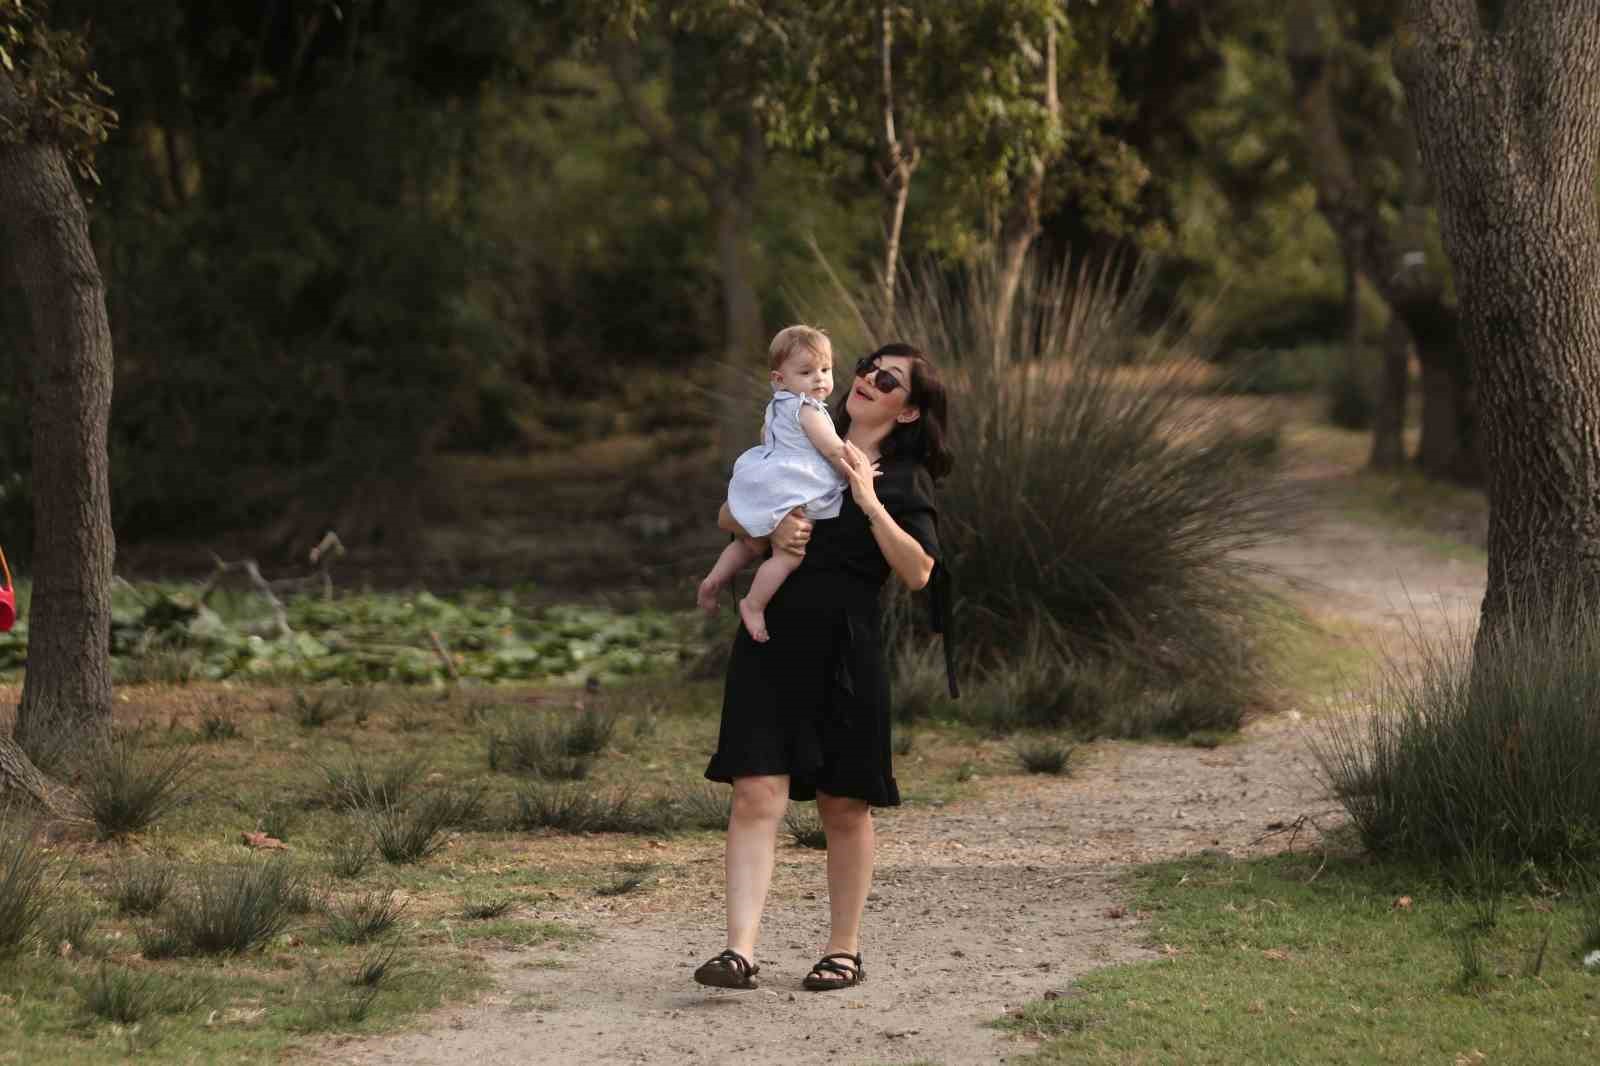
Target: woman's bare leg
x,y
848,823
758,806
770,576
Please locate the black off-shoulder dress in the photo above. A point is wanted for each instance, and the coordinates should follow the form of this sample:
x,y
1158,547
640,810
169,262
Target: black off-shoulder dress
x,y
813,702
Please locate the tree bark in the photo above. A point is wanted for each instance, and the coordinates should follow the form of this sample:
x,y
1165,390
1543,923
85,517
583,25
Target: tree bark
x,y
45,233
1508,120
1389,417
1022,225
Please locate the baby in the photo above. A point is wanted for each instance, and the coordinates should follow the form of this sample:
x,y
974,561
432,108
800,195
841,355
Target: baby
x,y
799,463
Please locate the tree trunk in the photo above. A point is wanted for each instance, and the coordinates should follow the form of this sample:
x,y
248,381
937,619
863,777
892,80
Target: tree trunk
x,y
1508,119
899,163
1389,419
1022,225
45,233
1439,452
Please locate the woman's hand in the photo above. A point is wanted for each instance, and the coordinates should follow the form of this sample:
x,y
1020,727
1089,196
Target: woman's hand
x,y
862,474
792,534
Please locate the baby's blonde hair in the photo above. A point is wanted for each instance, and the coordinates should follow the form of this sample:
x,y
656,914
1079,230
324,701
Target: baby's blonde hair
x,y
793,339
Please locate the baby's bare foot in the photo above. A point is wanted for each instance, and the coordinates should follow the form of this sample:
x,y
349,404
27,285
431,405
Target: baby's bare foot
x,y
755,620
710,589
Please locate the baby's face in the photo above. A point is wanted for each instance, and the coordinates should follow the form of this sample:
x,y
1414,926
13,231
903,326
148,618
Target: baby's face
x,y
806,374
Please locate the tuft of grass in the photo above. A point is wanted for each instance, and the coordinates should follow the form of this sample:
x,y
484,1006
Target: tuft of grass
x,y
806,829
1480,758
405,835
621,886
1588,886
1044,755
338,1008
572,810
1132,489
540,748
358,786
163,941
365,917
277,819
352,852
125,787
230,910
126,997
705,806
903,742
484,909
315,708
214,727
26,891
1474,972
73,925
376,968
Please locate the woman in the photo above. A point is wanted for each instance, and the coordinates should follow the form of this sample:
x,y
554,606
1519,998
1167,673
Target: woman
x,y
806,715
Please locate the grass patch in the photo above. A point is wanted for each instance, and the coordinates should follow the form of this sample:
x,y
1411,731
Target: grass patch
x,y
364,917
1044,755
356,785
553,748
805,829
26,889
127,997
485,909
351,855
1270,961
125,786
405,835
231,910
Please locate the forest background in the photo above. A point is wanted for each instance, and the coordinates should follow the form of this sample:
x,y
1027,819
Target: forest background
x,y
348,244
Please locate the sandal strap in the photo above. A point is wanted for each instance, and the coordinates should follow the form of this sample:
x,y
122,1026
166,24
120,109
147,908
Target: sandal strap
x,y
826,964
733,961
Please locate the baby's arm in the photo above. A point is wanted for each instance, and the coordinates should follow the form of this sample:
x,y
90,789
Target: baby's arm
x,y
819,430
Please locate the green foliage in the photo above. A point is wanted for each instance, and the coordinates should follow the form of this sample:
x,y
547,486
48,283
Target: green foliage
x,y
805,829
127,997
26,891
1044,755
142,887
383,637
1483,759
364,917
59,99
1132,492
228,910
126,786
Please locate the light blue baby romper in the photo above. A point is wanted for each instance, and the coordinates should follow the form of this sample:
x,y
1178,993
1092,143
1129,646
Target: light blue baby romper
x,y
783,472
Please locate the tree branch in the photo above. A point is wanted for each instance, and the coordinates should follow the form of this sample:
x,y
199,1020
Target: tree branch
x,y
693,161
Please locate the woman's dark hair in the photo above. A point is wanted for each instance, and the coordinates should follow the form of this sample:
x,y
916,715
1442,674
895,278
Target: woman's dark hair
x,y
926,439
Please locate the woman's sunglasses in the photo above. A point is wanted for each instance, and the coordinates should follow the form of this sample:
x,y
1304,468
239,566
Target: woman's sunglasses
x,y
883,381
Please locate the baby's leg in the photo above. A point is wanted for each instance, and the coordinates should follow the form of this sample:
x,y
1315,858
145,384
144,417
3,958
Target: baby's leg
x,y
735,557
769,576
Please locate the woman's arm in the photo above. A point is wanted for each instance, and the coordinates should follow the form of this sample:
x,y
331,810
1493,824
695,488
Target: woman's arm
x,y
905,556
790,536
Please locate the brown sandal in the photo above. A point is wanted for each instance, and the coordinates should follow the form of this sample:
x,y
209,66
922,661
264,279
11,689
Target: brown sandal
x,y
829,973
727,970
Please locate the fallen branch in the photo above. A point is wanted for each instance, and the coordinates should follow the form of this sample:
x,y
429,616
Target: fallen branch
x,y
262,585
444,655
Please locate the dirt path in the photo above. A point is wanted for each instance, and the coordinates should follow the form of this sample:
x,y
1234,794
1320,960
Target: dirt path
x,y
978,906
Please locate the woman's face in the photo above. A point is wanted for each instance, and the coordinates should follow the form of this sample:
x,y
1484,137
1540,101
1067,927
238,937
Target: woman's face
x,y
868,405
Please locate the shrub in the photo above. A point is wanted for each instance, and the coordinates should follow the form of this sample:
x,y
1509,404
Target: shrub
x,y
125,787
555,750
1480,759
706,806
127,997
365,917
573,810
25,889
357,786
806,829
1101,509
231,910
410,834
214,727
1043,755
351,854
484,909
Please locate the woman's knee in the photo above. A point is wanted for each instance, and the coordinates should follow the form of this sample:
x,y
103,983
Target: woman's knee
x,y
760,797
841,814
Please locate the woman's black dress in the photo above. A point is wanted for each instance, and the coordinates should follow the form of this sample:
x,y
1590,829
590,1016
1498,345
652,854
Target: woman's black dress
x,y
813,702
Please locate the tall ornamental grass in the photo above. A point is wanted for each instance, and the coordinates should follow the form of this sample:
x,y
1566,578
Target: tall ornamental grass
x,y
1102,499
1490,755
